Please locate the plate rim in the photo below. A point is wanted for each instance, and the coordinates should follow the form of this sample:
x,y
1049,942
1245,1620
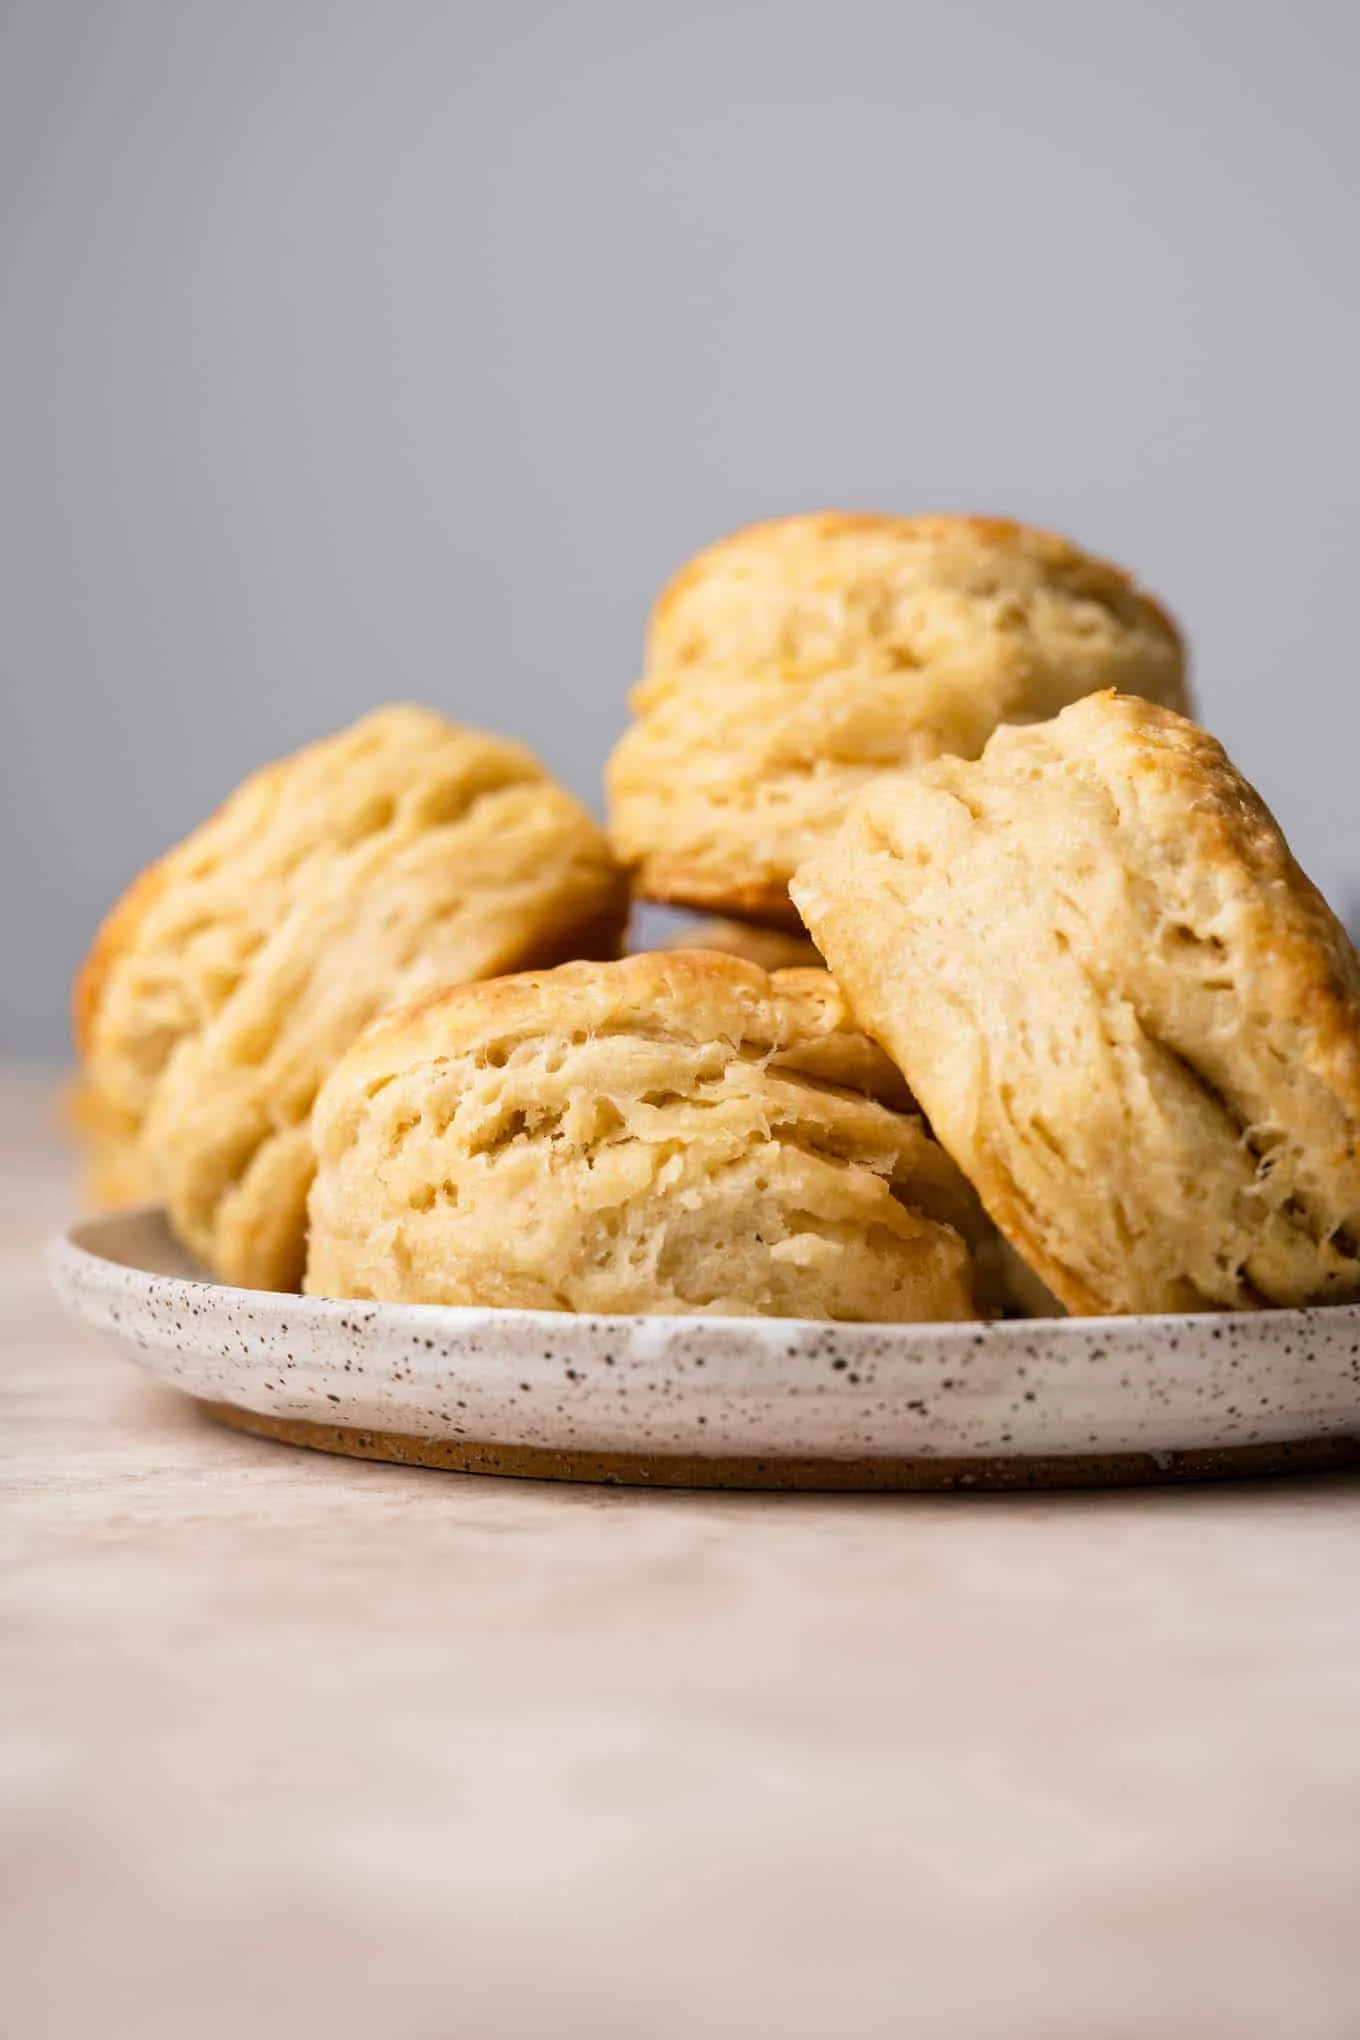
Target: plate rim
x,y
68,1251
718,1389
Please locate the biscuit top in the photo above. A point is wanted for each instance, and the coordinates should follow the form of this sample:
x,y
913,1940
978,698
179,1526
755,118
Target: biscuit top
x,y
191,922
790,664
791,1020
810,595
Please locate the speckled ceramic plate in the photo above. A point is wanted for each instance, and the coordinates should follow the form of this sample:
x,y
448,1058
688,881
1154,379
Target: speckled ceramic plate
x,y
732,1402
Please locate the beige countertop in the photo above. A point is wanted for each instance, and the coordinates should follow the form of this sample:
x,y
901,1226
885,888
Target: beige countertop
x,y
307,1747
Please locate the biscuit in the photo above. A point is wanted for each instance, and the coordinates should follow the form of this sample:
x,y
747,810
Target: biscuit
x,y
671,1133
791,663
1129,1016
115,1171
771,948
403,853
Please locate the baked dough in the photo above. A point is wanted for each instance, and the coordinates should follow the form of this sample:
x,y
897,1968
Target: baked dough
x,y
403,853
115,1171
1128,1015
792,662
771,948
673,1132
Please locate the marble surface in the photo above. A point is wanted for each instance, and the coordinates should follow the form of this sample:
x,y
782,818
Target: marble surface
x,y
300,1746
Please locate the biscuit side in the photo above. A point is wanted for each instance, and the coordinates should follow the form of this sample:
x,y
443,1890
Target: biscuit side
x,y
400,853
671,1133
1128,1014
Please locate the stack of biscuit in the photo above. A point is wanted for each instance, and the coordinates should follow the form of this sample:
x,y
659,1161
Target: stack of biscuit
x,y
1088,1037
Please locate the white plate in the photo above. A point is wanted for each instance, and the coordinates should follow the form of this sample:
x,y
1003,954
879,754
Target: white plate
x,y
730,1401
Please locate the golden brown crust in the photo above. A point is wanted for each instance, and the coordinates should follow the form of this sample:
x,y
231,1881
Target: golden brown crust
x,y
117,933
671,882
799,1017
1000,533
400,853
678,1131
792,662
1131,1018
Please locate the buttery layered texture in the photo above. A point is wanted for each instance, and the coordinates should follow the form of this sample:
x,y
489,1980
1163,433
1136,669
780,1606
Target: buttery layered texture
x,y
403,853
1131,1019
791,663
673,1132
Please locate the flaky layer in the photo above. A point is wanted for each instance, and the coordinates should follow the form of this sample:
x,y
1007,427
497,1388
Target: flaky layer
x,y
403,853
674,1132
1129,1016
790,664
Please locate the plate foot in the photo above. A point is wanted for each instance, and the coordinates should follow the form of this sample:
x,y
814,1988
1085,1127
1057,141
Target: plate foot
x,y
832,1476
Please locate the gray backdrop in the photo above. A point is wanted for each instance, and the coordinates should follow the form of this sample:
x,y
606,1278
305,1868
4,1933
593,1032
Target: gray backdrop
x,y
385,348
